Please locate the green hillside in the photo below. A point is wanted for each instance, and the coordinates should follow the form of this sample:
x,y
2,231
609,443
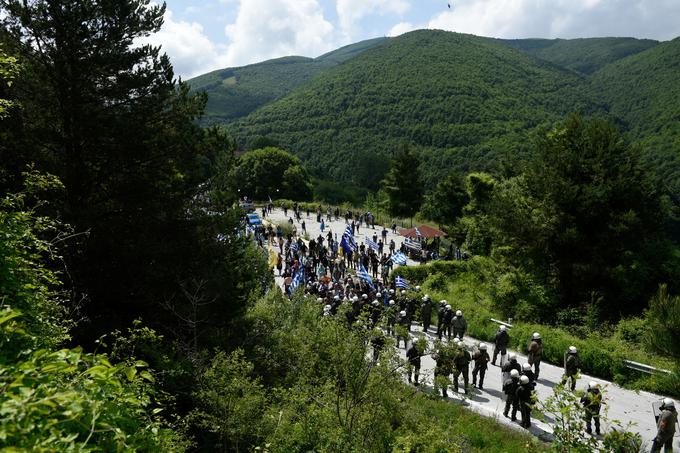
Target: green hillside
x,y
643,91
461,99
235,92
582,55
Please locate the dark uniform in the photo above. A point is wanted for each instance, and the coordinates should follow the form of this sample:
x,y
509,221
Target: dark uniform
x,y
448,317
481,359
524,392
666,429
501,344
535,354
459,324
413,356
426,314
461,363
532,377
592,403
404,323
572,363
510,365
510,389
440,320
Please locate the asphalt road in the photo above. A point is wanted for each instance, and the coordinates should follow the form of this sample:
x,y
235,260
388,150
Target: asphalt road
x,y
626,406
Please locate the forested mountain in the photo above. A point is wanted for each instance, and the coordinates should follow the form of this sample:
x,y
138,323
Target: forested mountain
x,y
582,55
235,92
461,99
643,92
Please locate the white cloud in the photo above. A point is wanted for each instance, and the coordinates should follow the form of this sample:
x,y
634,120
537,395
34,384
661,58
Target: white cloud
x,y
190,50
401,28
272,28
351,11
562,18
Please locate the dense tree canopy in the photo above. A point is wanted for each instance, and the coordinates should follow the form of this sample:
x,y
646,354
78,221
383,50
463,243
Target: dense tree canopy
x,y
402,184
588,215
105,115
271,173
445,203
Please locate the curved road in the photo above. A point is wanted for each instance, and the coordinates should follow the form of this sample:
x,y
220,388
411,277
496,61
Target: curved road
x,y
626,406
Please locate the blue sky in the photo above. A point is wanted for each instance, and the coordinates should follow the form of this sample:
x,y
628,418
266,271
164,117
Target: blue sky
x,y
201,36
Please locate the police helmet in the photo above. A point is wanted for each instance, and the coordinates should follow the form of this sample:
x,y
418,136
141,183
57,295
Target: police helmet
x,y
459,313
572,350
524,379
536,336
526,367
482,346
667,402
503,328
514,373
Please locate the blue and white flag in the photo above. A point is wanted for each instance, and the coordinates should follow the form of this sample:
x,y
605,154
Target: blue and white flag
x,y
399,258
298,279
347,243
418,232
363,275
401,282
371,244
294,247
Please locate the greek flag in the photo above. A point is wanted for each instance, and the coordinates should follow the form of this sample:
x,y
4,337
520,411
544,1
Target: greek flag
x,y
298,279
401,282
371,244
363,275
347,243
294,247
418,232
399,258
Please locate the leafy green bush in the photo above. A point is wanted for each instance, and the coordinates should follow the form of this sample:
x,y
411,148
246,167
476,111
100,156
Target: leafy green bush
x,y
68,400
55,399
230,403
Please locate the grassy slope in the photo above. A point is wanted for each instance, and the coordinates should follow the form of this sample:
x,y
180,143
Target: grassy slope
x,y
582,55
643,90
236,92
461,99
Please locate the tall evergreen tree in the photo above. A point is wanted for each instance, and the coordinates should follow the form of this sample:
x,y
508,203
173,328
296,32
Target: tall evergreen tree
x,y
402,184
590,217
104,113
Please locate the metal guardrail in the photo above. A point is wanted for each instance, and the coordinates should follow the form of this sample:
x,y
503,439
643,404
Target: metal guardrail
x,y
502,323
644,368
